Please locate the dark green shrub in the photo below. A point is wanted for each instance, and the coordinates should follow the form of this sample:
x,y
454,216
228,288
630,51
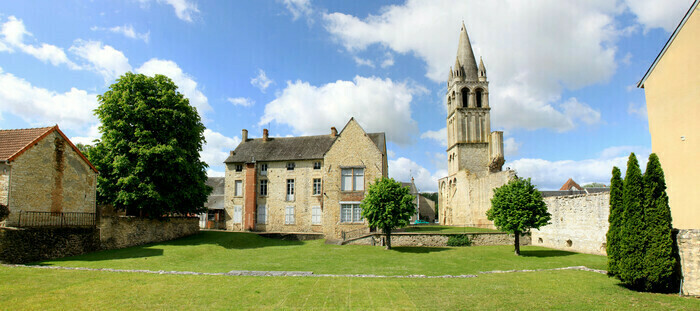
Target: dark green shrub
x,y
633,233
613,242
459,240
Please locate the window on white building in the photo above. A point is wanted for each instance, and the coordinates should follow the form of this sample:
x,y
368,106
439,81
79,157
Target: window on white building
x,y
290,189
352,179
262,214
350,212
315,215
289,215
238,191
263,187
237,214
317,186
263,169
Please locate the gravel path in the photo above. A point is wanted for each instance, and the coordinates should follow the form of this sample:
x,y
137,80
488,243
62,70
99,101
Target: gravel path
x,y
299,273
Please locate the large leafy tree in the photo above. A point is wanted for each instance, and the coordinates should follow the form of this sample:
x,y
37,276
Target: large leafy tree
x,y
148,156
613,243
388,205
516,207
659,262
631,264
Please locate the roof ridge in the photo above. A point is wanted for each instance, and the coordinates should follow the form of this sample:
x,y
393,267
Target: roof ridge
x,y
28,128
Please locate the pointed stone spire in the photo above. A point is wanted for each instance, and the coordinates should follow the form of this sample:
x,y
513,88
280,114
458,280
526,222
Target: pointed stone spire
x,y
465,55
482,69
458,66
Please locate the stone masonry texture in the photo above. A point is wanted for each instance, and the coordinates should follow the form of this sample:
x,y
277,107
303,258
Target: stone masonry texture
x,y
689,251
440,239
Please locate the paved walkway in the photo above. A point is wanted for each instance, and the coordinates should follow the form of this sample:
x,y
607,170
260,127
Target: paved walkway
x,y
303,273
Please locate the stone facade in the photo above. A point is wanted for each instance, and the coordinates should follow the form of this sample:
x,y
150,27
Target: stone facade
x,y
440,239
474,153
689,251
126,231
579,223
352,148
49,176
4,183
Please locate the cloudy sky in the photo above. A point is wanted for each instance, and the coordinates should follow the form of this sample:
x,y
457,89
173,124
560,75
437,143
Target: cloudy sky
x,y
562,73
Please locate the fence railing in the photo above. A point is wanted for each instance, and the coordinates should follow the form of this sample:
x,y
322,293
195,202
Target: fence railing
x,y
29,219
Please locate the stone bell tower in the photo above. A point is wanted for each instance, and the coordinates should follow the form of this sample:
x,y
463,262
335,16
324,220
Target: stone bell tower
x,y
471,145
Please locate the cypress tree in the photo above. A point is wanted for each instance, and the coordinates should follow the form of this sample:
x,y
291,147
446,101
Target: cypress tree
x,y
631,265
659,260
614,223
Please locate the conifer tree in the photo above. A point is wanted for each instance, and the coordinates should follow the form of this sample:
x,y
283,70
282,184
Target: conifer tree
x,y
659,263
631,264
613,243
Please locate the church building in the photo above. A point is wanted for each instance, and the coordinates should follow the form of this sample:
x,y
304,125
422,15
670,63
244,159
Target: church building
x,y
474,153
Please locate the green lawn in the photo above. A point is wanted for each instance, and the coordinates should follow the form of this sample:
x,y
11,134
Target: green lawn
x,y
226,251
40,289
446,229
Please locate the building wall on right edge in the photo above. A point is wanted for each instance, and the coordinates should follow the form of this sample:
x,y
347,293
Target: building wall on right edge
x,y
673,104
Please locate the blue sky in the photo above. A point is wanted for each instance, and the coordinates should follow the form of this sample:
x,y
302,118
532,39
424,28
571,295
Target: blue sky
x,y
562,74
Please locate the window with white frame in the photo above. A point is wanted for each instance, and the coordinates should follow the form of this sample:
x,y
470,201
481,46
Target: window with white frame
x,y
237,214
350,212
238,191
263,169
289,215
290,189
352,179
263,187
315,215
262,214
317,186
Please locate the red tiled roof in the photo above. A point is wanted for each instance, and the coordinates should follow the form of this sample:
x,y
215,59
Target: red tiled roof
x,y
14,142
570,184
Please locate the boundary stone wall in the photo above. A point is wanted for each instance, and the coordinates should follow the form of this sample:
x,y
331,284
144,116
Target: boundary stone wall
x,y
440,239
689,251
127,231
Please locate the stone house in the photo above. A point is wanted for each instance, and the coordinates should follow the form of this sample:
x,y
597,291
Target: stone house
x,y
303,184
215,216
474,154
42,171
425,208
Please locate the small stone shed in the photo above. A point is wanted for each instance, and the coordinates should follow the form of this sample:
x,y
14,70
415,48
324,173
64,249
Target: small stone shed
x,y
42,171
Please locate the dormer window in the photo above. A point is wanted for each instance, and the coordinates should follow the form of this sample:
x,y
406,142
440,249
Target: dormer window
x,y
317,165
290,166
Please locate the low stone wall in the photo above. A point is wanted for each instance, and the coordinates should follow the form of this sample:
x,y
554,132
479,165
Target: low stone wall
x,y
579,223
28,245
440,239
689,251
126,231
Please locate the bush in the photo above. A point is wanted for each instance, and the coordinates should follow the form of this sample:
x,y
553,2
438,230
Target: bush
x,y
459,240
4,212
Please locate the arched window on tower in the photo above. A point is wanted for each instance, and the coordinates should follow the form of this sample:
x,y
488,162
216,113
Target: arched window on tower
x,y
479,93
449,102
465,97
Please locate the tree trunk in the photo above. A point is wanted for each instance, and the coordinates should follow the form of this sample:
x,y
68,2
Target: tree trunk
x,y
517,243
388,238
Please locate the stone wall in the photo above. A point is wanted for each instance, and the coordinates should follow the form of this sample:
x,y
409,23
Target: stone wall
x,y
579,223
50,177
689,251
28,245
464,197
4,182
440,239
127,231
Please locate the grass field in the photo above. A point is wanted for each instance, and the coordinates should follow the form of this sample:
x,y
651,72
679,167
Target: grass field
x,y
446,229
226,251
51,289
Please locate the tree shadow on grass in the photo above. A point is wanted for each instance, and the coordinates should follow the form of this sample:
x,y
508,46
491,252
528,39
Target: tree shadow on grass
x,y
112,254
232,240
419,250
545,253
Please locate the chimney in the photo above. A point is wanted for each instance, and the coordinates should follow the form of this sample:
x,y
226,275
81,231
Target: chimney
x,y
231,153
265,133
334,132
244,135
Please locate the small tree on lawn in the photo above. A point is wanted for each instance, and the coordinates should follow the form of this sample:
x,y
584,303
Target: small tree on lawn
x,y
388,205
148,156
659,261
613,243
516,207
631,264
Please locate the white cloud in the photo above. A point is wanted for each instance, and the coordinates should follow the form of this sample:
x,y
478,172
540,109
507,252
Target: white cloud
x,y
127,31
639,111
213,173
92,133
363,62
184,9
299,8
217,148
41,107
557,45
241,101
261,81
13,36
552,174
511,147
576,110
391,154
402,169
659,14
379,105
388,60
186,84
107,61
439,136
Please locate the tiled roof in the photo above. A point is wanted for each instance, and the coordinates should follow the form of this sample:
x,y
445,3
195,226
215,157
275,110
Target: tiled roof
x,y
13,142
216,198
569,184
